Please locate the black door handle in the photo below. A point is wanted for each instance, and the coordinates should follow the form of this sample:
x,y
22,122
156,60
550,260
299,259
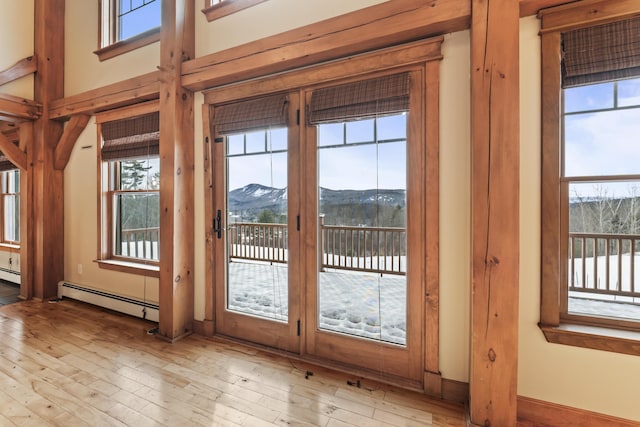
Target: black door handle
x,y
217,224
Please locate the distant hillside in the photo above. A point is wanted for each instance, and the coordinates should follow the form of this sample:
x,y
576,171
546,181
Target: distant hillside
x,y
345,207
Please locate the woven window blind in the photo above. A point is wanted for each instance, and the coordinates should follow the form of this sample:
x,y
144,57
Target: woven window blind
x,y
601,53
245,116
362,99
129,138
5,163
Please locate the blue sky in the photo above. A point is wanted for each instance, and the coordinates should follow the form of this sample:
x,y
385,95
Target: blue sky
x,y
341,166
140,19
603,143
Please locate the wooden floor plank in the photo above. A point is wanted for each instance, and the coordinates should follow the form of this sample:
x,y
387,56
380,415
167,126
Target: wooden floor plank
x,y
70,363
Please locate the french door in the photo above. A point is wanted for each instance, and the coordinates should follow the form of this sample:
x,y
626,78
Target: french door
x,y
255,210
319,246
364,203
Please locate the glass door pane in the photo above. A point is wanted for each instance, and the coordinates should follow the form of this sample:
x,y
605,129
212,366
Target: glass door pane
x,y
362,179
256,232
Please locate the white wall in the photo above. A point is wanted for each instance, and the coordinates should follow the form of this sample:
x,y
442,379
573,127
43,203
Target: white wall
x,y
455,210
83,70
590,379
16,32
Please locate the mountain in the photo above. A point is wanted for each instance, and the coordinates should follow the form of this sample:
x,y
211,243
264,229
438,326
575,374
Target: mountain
x,y
347,207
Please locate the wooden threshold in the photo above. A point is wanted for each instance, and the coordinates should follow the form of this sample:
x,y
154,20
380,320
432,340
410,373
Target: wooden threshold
x,y
70,363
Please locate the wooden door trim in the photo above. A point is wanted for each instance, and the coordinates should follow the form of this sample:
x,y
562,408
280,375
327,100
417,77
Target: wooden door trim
x,y
422,56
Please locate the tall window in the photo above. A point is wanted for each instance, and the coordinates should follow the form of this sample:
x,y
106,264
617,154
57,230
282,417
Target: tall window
x,y
127,24
10,186
130,187
591,178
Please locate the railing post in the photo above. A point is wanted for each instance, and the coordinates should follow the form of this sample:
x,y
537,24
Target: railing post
x,y
320,243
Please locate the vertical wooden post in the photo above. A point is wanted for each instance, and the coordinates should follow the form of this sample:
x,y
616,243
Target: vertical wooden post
x,y
26,220
495,154
177,43
46,203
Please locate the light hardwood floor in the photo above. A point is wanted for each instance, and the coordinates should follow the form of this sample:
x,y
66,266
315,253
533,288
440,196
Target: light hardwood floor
x,y
72,364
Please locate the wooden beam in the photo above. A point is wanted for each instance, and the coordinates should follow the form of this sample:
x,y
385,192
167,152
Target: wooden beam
x,y
11,131
532,7
26,212
20,69
177,42
587,12
46,201
13,153
495,211
13,108
375,27
69,137
127,92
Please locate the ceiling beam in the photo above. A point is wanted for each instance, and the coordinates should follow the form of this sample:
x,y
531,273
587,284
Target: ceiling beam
x,y
532,7
127,92
15,109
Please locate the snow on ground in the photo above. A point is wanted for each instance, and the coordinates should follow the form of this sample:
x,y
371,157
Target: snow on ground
x,y
366,304
362,304
606,304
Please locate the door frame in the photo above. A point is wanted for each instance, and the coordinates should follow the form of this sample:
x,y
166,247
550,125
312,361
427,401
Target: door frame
x,y
423,54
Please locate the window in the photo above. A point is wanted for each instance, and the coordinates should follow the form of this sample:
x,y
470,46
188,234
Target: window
x,y
134,199
130,191
591,182
215,9
10,190
126,25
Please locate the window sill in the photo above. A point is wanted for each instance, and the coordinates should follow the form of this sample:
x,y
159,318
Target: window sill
x,y
594,337
227,7
9,246
132,43
130,267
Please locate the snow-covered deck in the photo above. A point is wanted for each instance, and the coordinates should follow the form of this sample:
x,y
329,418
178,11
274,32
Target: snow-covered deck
x,y
363,304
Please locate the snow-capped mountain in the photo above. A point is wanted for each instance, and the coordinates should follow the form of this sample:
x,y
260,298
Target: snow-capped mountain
x,y
248,202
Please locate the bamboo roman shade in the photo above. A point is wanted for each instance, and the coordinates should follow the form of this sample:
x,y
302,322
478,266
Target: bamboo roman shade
x,y
254,114
365,98
601,53
5,163
128,138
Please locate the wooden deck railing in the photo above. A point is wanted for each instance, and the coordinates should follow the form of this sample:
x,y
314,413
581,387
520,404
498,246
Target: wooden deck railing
x,y
371,249
604,263
142,243
258,242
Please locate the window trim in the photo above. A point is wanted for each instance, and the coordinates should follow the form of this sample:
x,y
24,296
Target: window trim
x,y
108,46
15,244
226,7
557,325
105,257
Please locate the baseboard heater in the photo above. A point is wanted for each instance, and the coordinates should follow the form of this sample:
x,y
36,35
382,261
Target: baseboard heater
x,y
12,276
130,306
